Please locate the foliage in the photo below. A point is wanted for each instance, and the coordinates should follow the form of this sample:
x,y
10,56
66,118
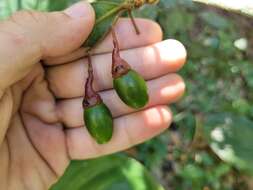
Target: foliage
x,y
225,133
107,173
219,80
106,13
216,111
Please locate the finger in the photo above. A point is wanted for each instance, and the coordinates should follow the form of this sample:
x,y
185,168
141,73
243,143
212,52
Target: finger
x,y
151,62
29,36
124,29
129,130
41,135
161,91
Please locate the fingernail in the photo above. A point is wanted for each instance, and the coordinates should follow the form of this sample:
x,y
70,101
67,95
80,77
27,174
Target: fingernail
x,y
78,10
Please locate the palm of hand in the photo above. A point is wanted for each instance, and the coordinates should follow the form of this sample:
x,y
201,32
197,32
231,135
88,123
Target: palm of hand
x,y
30,139
41,115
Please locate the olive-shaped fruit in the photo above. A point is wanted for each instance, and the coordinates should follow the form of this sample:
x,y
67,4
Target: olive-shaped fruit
x,y
99,122
129,85
97,117
132,89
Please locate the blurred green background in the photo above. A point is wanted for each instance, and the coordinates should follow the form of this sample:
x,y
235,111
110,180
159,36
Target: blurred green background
x,y
209,145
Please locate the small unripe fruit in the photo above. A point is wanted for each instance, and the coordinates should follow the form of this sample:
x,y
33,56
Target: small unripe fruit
x,y
129,85
97,117
99,122
132,89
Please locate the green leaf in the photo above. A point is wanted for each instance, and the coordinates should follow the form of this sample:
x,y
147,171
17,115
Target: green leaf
x,y
107,173
187,126
221,170
241,106
107,14
153,152
192,172
214,20
184,22
57,5
247,71
147,11
230,137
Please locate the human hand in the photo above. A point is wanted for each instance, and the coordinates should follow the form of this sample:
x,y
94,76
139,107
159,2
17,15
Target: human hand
x,y
41,125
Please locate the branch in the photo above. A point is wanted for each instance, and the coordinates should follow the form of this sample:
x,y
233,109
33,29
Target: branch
x,y
241,6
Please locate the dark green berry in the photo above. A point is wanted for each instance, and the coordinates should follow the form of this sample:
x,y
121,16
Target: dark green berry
x,y
99,122
132,89
129,85
97,117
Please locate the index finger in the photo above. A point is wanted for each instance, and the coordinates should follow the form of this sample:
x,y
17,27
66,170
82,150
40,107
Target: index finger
x,y
150,33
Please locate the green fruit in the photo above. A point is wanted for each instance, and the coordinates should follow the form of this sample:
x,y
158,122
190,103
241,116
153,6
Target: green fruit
x,y
99,122
132,89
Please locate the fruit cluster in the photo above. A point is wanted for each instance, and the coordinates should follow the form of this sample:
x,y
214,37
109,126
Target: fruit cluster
x,y
129,85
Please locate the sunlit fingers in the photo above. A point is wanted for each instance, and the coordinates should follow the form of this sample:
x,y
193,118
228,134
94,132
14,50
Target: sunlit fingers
x,y
164,90
67,81
129,130
127,38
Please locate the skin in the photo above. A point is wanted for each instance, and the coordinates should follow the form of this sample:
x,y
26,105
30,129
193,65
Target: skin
x,y
41,125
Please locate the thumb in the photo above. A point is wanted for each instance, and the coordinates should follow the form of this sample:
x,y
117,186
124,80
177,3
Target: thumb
x,y
29,36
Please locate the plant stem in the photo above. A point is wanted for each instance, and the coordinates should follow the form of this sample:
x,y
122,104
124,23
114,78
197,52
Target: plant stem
x,y
244,7
91,98
109,13
89,92
134,23
119,66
